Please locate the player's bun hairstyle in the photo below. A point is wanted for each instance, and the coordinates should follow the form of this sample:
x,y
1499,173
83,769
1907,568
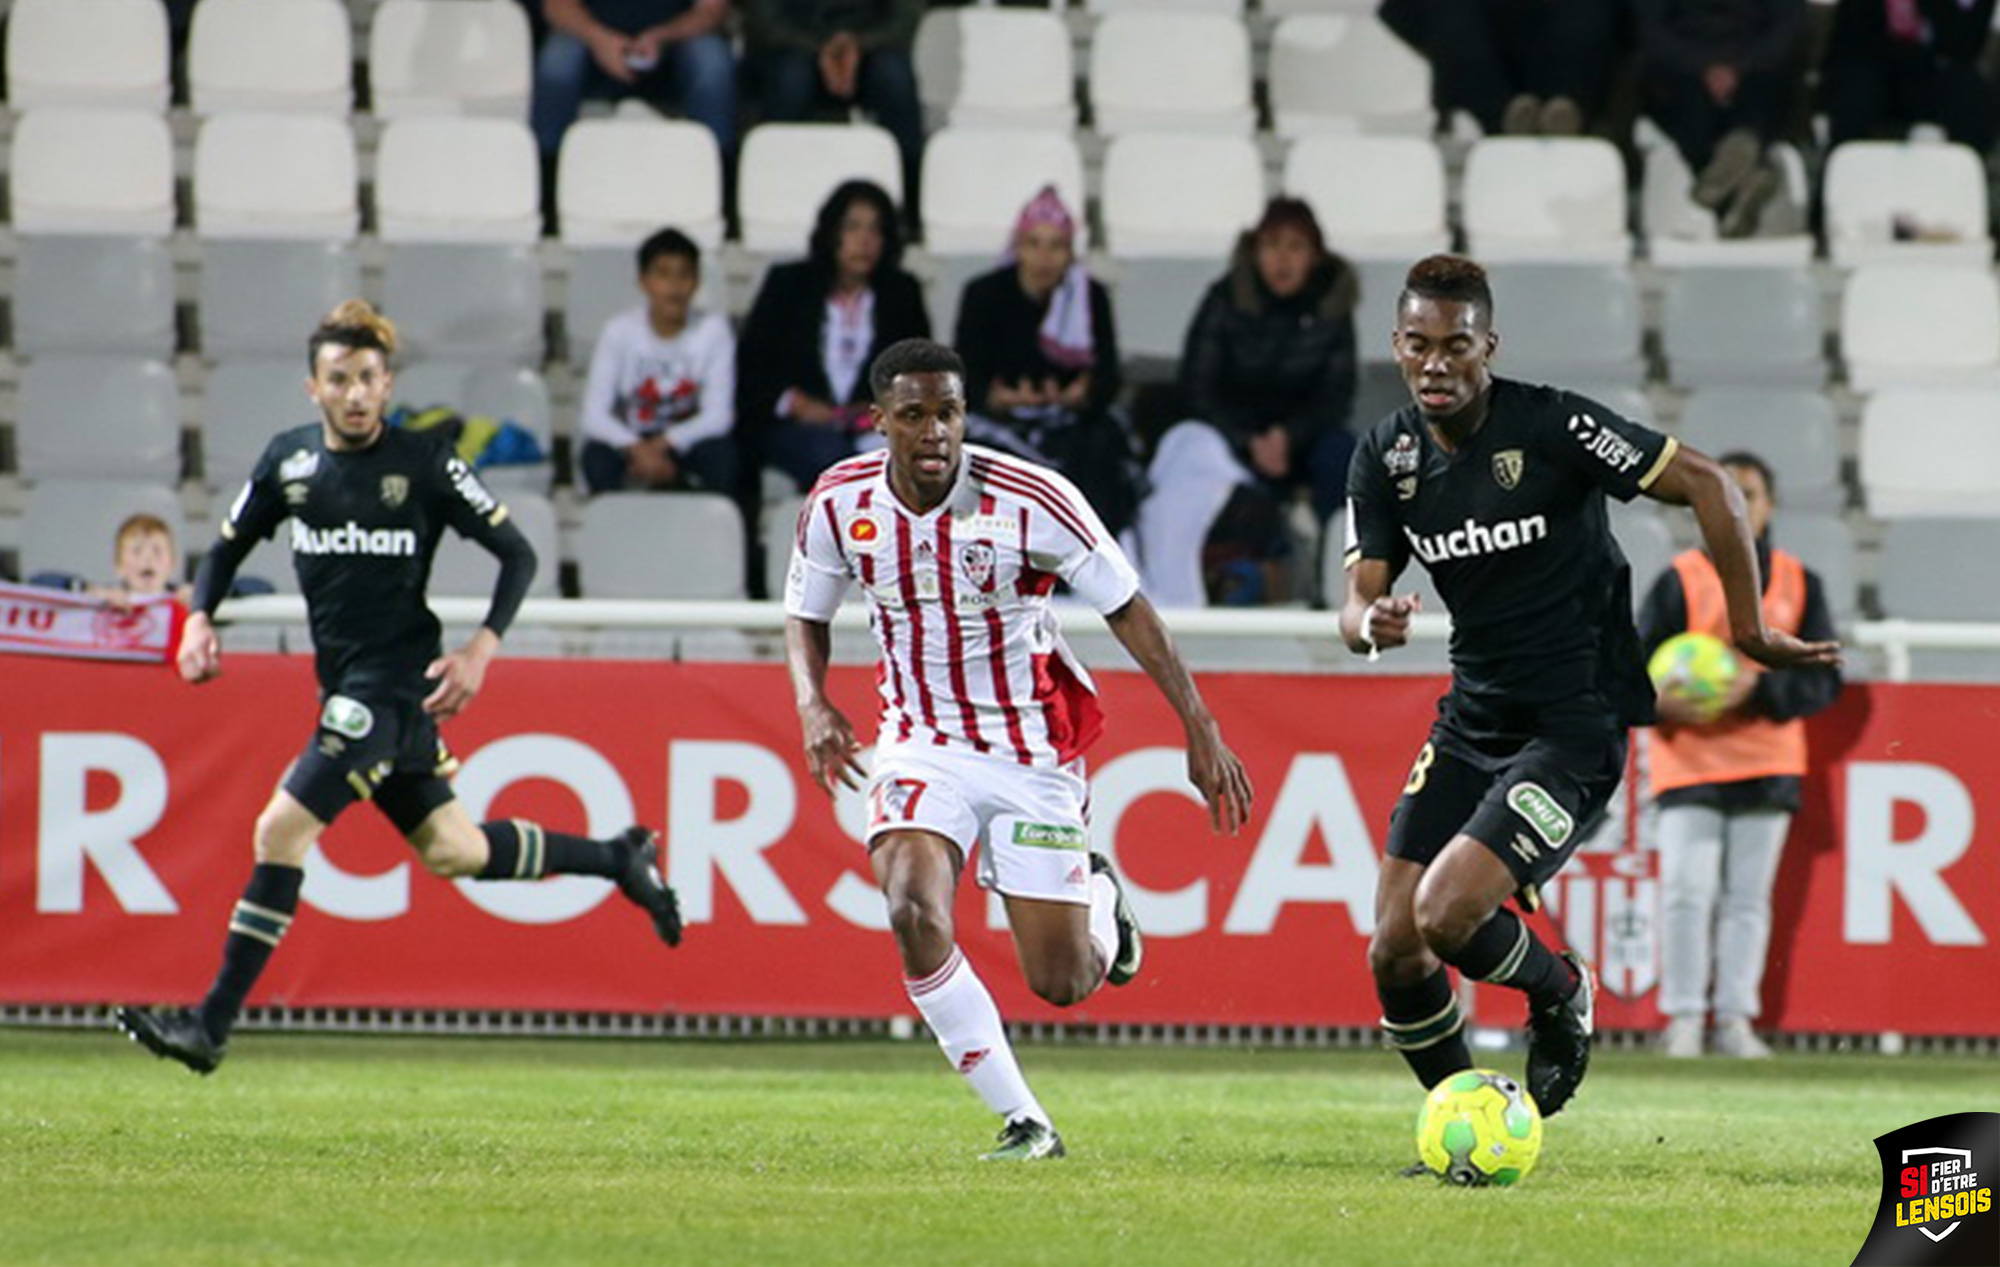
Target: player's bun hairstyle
x,y
912,356
1452,278
354,324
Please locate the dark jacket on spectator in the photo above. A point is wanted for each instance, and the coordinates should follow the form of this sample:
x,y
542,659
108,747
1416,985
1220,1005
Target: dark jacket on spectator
x,y
779,346
807,24
1958,32
999,336
1253,360
1686,37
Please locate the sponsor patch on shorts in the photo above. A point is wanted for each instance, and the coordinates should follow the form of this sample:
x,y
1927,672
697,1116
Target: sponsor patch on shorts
x,y
1050,836
346,716
1549,819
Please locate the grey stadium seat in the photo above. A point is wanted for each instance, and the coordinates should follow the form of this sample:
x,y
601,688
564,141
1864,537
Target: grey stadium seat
x,y
264,298
1560,322
469,300
68,525
1794,431
1744,326
99,417
661,545
104,294
511,392
1823,543
600,283
464,567
1943,569
1646,538
245,402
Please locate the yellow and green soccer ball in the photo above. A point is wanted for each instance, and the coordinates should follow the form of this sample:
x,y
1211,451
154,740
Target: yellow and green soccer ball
x,y
1695,667
1479,1127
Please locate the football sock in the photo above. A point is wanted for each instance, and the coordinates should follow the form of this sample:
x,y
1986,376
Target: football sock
x,y
520,850
1103,922
260,919
1423,1023
1506,952
955,1004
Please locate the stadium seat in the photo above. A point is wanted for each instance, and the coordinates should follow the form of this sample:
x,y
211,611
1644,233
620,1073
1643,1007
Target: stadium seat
x,y
1375,315
1346,72
1284,8
99,53
1627,400
654,545
1932,452
976,180
1224,8
1917,325
98,417
128,187
1680,233
1943,569
472,302
787,170
458,180
1645,538
1376,197
1906,203
1743,326
276,176
781,518
1155,301
1560,322
1181,196
1545,200
599,283
514,393
463,567
266,297
1014,68
1823,543
620,179
1794,430
245,401
1208,89
93,294
292,56
430,57
68,525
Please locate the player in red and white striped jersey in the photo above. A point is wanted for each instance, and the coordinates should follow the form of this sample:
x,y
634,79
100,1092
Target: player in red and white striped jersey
x,y
985,714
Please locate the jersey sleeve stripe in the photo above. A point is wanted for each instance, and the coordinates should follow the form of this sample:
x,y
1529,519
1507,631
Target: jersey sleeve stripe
x,y
1667,451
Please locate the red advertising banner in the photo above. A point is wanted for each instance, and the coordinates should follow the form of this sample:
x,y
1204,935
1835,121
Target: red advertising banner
x,y
127,801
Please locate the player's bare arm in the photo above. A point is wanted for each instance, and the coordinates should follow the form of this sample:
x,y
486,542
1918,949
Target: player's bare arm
x,y
1694,479
831,748
1212,767
1371,619
460,674
200,655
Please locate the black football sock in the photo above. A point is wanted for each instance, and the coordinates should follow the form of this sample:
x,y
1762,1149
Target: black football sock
x,y
520,850
1505,951
257,924
1423,1023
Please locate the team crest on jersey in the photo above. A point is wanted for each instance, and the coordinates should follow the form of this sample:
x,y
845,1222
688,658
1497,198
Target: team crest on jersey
x,y
395,490
1507,464
862,530
1406,488
299,466
1402,457
975,561
296,494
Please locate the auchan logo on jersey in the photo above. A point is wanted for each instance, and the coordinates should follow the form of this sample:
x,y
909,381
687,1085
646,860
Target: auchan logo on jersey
x,y
1476,538
352,538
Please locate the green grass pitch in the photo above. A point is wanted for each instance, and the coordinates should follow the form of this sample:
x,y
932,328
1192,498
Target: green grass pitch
x,y
491,1152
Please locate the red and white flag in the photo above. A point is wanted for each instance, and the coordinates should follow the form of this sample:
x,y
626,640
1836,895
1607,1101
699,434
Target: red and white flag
x,y
50,622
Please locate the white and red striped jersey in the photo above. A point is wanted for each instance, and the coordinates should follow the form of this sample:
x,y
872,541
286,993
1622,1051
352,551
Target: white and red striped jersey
x,y
971,655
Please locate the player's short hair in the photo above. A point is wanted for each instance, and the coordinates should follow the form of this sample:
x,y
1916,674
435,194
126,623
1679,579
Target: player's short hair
x,y
141,524
354,324
669,241
1451,278
1750,461
824,248
911,356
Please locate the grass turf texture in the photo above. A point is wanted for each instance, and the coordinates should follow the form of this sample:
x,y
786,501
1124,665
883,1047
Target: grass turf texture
x,y
390,1151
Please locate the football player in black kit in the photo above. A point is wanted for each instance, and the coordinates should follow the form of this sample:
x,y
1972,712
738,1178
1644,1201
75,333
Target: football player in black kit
x,y
368,504
1498,488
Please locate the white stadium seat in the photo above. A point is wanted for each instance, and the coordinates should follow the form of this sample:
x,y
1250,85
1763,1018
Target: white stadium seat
x,y
1346,72
976,180
620,179
1376,197
1164,71
450,57
653,545
127,187
1546,200
1680,233
457,180
1931,452
1177,195
1014,68
276,176
463,567
1746,326
787,170
104,53
1917,325
1907,203
1794,430
283,55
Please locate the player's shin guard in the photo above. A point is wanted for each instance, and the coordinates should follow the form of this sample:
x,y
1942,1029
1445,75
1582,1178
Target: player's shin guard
x,y
955,1004
1423,1023
520,850
1505,951
257,924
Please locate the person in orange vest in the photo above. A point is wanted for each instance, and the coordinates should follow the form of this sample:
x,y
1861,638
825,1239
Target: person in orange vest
x,y
1727,784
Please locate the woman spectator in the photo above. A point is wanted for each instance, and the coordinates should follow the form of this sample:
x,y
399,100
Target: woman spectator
x,y
1268,377
803,354
1041,361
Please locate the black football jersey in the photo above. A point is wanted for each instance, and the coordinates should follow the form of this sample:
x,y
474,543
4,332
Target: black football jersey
x,y
1514,531
363,527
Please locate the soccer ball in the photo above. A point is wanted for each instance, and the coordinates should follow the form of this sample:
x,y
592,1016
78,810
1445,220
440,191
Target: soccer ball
x,y
1479,1127
1695,667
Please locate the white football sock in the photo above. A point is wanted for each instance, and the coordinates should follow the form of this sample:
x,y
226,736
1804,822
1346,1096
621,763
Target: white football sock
x,y
1104,921
955,1004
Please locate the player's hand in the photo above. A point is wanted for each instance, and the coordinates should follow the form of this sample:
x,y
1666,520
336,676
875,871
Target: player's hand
x,y
1386,623
1775,649
1221,779
200,656
459,675
832,751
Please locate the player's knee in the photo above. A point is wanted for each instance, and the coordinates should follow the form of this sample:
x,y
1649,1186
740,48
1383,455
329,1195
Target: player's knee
x,y
1445,920
277,840
1064,984
918,920
1396,960
451,859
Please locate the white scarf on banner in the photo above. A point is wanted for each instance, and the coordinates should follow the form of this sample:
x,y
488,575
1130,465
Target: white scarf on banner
x,y
37,621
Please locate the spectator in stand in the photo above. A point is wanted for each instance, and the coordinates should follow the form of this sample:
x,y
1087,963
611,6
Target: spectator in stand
x,y
1719,76
1893,63
1268,377
660,402
145,561
801,364
1727,780
1041,362
810,53
1519,67
655,49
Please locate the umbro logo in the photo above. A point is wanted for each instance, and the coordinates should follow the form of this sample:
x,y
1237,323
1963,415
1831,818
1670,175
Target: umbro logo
x,y
1525,847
